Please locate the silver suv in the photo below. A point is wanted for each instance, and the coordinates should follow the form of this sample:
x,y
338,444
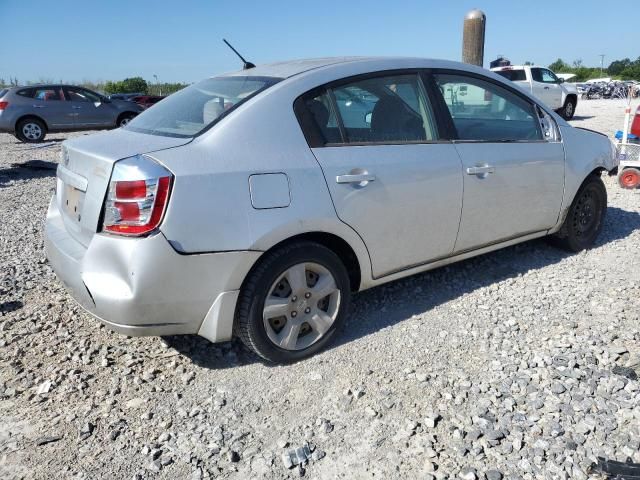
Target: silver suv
x,y
30,112
255,203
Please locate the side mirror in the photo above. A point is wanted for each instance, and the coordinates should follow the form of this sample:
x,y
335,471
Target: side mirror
x,y
105,100
560,80
367,118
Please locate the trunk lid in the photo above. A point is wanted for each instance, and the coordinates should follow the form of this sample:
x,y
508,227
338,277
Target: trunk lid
x,y
85,169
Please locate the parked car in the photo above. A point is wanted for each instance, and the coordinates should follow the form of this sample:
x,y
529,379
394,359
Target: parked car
x,y
124,96
544,84
255,203
31,112
145,101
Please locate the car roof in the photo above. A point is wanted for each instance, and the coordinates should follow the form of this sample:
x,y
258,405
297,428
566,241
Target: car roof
x,y
515,67
291,68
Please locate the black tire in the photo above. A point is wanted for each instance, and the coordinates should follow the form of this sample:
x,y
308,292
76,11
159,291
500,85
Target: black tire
x,y
569,109
249,323
31,130
585,217
124,118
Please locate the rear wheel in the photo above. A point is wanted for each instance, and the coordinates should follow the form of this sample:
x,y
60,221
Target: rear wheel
x,y
31,130
629,178
585,218
293,303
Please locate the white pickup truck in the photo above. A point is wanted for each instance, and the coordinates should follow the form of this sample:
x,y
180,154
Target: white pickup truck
x,y
544,84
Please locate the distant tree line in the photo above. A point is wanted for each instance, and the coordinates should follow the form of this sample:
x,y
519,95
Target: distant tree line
x,y
624,69
128,85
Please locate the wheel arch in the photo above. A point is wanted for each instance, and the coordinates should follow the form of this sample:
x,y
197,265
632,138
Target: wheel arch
x,y
571,96
598,171
30,115
333,242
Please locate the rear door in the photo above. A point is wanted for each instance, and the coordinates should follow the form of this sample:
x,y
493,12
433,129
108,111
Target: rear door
x,y
390,177
89,109
513,174
49,104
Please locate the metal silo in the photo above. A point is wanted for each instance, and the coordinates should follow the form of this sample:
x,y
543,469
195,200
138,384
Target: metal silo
x,y
473,37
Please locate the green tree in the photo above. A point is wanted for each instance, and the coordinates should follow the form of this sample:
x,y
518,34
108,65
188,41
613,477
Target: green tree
x,y
617,66
134,85
559,66
128,85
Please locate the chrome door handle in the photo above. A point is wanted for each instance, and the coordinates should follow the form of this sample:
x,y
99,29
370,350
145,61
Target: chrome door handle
x,y
76,107
362,178
481,170
546,88
38,106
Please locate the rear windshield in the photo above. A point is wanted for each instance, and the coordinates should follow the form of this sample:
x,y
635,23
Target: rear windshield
x,y
513,75
192,110
3,92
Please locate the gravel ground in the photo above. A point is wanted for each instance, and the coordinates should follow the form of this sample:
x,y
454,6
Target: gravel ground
x,y
518,364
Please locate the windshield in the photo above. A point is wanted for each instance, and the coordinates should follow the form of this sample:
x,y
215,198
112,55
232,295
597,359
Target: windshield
x,y
192,110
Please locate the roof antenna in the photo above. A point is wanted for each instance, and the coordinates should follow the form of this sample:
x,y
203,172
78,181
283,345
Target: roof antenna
x,y
247,65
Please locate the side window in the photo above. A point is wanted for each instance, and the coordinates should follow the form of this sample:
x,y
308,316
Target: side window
x,y
391,109
385,110
548,76
536,74
47,93
26,92
484,111
81,95
317,118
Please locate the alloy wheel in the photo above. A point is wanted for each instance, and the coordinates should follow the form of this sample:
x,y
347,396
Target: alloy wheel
x,y
32,131
301,306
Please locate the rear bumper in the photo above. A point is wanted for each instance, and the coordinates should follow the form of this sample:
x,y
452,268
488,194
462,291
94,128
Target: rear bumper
x,y
7,122
142,286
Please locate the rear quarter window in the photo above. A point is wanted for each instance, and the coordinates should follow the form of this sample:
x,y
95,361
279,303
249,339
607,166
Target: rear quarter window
x,y
513,75
25,92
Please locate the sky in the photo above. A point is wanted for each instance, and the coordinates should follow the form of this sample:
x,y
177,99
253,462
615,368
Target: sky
x,y
181,41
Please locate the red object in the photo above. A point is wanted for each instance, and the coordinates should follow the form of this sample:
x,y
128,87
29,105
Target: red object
x,y
3,105
133,190
629,178
145,101
131,211
635,125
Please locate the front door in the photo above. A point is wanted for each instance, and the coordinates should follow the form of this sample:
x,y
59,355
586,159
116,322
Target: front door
x,y
546,86
389,177
89,109
513,173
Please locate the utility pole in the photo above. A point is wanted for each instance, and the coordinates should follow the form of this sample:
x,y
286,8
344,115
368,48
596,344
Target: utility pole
x,y
601,64
158,84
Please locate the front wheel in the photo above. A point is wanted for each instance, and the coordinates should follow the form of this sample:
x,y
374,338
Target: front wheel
x,y
585,218
569,109
293,303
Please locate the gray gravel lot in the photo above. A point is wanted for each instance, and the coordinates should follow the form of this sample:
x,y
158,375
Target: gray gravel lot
x,y
522,363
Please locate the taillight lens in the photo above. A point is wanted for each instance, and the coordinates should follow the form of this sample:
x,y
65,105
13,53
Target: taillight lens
x,y
135,206
3,105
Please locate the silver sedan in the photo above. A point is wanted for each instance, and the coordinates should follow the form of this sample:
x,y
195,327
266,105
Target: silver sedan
x,y
255,203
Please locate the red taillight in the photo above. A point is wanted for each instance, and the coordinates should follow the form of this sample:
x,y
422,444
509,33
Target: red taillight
x,y
3,105
131,190
136,207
